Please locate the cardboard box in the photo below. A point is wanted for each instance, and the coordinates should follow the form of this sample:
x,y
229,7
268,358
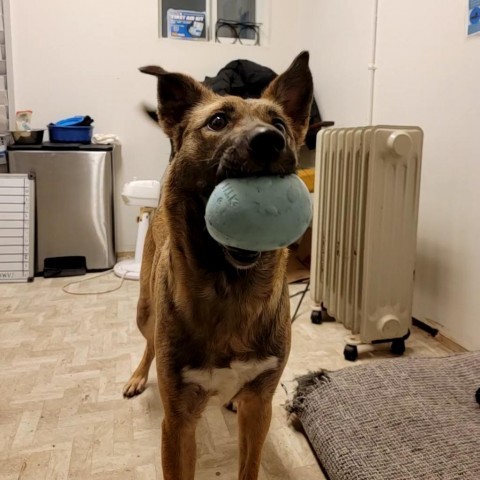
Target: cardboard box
x,y
298,267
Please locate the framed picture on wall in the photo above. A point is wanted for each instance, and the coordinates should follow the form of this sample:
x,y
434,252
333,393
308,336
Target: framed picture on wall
x,y
184,19
186,24
473,17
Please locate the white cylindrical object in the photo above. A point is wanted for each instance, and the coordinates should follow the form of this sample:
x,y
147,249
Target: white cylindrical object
x,y
400,143
390,326
141,234
144,193
128,269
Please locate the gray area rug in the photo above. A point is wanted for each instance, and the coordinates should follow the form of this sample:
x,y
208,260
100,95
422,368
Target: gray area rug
x,y
403,419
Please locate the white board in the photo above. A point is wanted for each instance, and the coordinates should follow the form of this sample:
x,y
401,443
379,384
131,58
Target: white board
x,y
17,216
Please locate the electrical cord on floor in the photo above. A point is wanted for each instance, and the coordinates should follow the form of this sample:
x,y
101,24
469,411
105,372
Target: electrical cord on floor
x,y
302,293
77,282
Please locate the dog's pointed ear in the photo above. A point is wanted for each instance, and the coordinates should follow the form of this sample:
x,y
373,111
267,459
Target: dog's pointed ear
x,y
177,94
153,70
293,89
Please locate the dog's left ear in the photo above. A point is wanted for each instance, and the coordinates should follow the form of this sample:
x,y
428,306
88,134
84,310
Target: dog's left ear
x,y
293,89
177,94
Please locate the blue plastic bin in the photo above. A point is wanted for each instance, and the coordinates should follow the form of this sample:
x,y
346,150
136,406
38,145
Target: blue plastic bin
x,y
70,134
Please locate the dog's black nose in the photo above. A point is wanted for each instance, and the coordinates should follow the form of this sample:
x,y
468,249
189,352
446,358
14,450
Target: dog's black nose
x,y
266,143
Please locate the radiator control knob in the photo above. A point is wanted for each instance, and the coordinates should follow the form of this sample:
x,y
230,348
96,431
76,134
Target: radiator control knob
x,y
390,326
400,143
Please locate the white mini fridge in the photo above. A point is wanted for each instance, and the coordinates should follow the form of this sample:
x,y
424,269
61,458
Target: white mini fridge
x,y
74,205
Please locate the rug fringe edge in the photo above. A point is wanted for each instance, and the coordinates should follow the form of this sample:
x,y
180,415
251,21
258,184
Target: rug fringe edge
x,y
306,384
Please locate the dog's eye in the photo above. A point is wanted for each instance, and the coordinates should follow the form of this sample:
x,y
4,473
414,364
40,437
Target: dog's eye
x,y
217,122
279,124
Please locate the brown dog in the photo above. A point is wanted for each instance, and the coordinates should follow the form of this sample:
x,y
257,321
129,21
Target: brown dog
x,y
217,319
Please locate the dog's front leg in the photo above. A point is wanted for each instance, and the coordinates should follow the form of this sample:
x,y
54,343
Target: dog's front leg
x,y
254,411
179,450
183,407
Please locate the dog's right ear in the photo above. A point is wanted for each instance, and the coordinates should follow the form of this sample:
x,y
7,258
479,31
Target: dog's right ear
x,y
177,94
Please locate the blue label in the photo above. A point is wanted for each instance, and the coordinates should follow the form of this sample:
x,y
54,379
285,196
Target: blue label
x,y
473,17
186,24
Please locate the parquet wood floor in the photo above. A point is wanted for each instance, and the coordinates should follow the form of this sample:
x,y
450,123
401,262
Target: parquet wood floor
x,y
64,360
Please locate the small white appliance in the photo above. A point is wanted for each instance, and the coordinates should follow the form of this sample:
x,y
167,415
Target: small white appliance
x,y
144,194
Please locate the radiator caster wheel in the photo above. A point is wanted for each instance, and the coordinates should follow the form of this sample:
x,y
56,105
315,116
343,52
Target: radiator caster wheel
x,y
316,317
398,346
350,352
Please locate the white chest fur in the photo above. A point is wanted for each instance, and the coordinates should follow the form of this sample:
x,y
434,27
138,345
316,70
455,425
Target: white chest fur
x,y
227,382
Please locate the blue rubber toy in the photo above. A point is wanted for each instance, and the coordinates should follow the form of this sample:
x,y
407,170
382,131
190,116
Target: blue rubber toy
x,y
259,213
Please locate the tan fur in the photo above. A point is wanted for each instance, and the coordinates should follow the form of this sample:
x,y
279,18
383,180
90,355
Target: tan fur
x,y
196,310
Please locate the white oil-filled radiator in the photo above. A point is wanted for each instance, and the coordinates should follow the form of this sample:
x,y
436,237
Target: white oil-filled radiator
x,y
367,186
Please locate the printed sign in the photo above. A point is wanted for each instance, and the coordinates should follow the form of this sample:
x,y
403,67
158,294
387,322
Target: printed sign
x,y
186,24
16,228
473,17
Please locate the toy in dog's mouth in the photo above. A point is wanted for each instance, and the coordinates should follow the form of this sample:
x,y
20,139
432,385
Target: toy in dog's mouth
x,y
241,259
257,214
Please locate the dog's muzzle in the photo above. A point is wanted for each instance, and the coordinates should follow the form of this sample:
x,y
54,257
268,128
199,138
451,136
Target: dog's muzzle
x,y
260,151
265,144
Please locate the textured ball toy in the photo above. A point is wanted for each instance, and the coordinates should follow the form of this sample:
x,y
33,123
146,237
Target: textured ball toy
x,y
259,213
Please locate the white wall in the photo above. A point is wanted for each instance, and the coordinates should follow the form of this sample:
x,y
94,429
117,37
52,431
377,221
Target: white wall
x,y
428,75
81,57
339,36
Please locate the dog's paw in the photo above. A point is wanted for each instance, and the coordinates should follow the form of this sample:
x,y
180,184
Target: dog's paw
x,y
135,386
